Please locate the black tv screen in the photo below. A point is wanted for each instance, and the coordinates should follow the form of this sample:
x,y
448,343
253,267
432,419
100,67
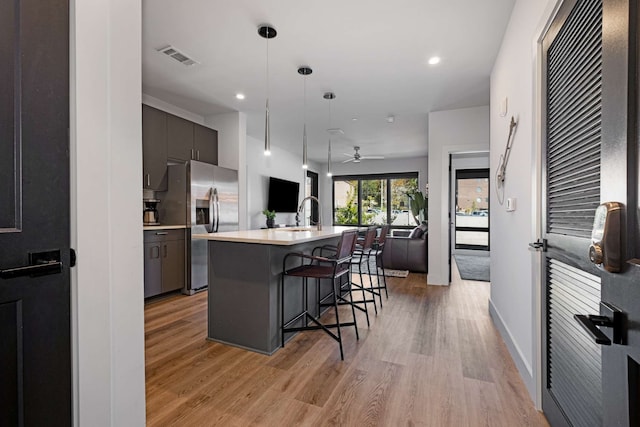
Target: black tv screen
x,y
283,195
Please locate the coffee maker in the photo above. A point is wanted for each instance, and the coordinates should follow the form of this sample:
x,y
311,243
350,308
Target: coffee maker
x,y
150,213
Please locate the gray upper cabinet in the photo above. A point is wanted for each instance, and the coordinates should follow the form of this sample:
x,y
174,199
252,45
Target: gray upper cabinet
x,y
179,138
190,141
205,144
168,137
154,148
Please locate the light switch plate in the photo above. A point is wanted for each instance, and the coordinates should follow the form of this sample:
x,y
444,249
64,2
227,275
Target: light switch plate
x,y
511,204
504,107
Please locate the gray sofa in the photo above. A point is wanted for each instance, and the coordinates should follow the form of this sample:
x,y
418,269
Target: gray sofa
x,y
408,252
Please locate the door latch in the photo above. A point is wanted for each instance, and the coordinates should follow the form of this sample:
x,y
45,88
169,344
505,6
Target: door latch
x,y
539,245
610,317
40,264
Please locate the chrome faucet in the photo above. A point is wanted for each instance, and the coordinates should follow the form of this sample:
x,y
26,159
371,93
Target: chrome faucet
x,y
319,210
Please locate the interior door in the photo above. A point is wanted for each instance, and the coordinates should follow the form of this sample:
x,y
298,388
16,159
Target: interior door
x,y
592,360
620,183
35,353
572,138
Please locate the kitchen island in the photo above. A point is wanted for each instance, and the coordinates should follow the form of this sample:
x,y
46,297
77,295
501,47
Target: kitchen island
x,y
245,268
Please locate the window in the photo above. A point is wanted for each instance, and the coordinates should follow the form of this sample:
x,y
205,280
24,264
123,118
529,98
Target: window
x,y
374,199
345,202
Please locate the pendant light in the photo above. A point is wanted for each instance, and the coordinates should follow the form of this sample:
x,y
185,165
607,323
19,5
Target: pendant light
x,y
305,71
329,96
267,32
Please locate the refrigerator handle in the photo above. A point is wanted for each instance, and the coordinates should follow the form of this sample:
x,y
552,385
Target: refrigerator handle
x,y
217,201
211,220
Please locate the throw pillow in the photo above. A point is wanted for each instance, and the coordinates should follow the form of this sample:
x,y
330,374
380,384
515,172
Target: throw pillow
x,y
416,233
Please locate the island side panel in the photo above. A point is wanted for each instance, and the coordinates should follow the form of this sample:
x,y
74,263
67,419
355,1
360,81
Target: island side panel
x,y
238,297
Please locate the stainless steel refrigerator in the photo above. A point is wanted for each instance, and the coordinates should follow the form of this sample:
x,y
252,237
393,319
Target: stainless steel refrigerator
x,y
204,197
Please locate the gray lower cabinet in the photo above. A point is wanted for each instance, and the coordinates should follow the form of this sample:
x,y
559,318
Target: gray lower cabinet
x,y
164,261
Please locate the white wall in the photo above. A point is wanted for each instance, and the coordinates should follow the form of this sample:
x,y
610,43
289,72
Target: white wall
x,y
170,108
280,164
232,154
450,132
514,269
106,193
413,164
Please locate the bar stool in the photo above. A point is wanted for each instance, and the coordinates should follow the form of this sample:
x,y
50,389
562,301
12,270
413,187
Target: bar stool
x,y
320,267
374,250
378,248
362,253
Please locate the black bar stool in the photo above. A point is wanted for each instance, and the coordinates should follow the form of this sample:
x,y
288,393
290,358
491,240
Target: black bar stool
x,y
362,253
320,267
378,248
373,250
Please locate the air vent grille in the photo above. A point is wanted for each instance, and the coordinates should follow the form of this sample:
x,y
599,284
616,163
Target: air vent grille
x,y
179,56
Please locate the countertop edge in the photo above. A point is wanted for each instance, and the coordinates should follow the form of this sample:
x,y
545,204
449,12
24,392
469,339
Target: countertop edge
x,y
163,227
265,237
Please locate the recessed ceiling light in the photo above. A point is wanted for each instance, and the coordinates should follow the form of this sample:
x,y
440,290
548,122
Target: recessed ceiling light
x,y
239,96
355,119
434,60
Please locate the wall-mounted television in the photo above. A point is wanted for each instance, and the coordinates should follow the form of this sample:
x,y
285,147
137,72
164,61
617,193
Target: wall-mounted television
x,y
283,195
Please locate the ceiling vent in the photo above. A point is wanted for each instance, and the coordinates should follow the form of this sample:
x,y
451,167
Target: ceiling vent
x,y
181,57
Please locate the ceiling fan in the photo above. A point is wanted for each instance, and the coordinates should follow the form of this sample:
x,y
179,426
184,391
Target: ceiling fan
x,y
356,157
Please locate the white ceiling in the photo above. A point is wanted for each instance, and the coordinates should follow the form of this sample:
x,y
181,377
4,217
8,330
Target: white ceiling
x,y
372,54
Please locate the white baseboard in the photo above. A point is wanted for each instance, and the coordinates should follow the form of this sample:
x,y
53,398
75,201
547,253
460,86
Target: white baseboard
x,y
524,368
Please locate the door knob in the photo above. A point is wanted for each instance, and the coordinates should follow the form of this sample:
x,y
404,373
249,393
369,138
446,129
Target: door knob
x,y
610,317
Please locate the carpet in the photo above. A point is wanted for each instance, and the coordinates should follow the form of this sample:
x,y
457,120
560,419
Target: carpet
x,y
395,273
388,272
472,267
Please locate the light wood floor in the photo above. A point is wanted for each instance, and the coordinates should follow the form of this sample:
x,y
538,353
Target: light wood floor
x,y
431,357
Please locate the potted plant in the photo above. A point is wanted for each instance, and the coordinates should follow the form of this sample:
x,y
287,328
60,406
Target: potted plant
x,y
419,204
271,216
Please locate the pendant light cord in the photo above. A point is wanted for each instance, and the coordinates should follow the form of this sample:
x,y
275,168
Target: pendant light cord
x,y
267,73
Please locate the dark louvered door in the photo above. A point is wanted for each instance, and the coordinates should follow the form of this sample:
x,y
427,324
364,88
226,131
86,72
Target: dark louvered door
x,y
572,392
591,369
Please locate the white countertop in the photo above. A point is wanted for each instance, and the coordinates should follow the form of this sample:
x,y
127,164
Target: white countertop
x,y
163,227
276,236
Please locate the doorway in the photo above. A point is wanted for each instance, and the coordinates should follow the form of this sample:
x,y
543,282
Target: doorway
x,y
469,212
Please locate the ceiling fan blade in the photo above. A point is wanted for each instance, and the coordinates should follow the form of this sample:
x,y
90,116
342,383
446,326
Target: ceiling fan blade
x,y
348,155
372,158
348,160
